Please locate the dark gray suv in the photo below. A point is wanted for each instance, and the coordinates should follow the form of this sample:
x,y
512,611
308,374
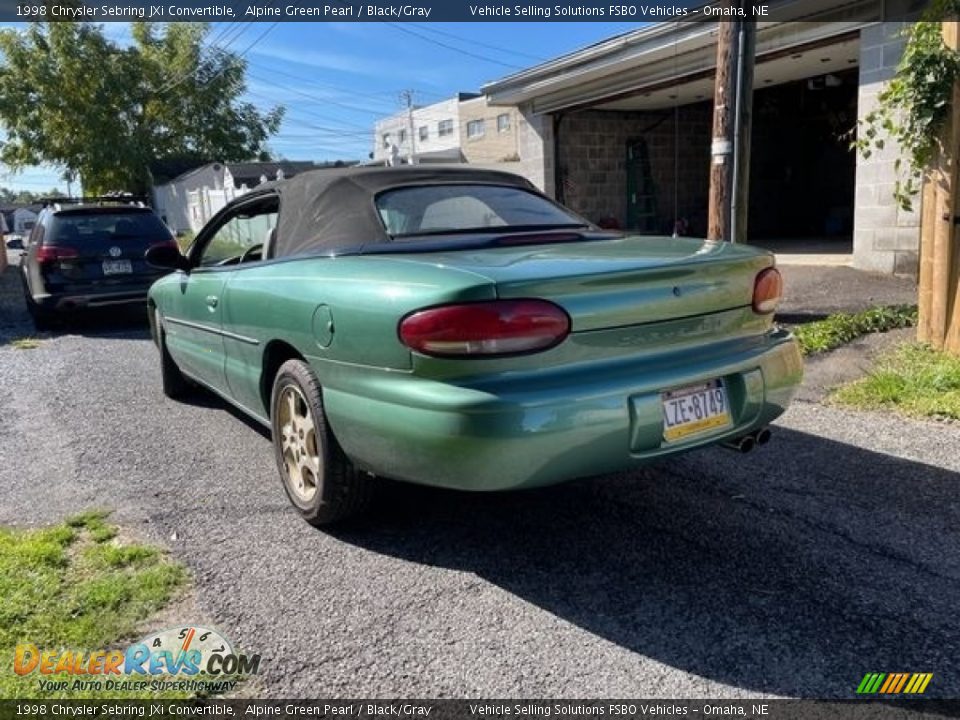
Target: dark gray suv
x,y
89,254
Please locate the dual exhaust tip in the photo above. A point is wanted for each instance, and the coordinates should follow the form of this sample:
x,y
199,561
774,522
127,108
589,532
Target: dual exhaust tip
x,y
748,442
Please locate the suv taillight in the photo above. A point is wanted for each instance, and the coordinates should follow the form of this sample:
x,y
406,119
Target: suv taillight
x,y
496,327
50,253
767,291
171,243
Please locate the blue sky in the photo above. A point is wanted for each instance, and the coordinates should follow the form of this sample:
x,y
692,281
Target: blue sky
x,y
336,78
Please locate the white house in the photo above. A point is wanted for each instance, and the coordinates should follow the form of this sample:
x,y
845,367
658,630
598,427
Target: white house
x,y
464,128
188,201
436,132
24,218
172,199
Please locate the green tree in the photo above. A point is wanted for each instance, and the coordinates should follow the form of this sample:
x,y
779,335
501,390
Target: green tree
x,y
71,97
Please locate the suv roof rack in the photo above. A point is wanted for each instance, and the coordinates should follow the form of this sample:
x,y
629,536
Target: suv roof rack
x,y
115,199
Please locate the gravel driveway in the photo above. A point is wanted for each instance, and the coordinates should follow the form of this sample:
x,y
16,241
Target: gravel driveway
x,y
831,552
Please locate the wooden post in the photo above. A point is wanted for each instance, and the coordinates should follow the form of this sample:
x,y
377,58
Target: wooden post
x,y
721,147
939,291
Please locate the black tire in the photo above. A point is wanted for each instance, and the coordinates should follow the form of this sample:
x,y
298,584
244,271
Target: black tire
x,y
42,319
339,490
173,382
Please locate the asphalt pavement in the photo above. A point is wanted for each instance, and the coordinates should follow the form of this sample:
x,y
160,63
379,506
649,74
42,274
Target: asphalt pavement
x,y
792,571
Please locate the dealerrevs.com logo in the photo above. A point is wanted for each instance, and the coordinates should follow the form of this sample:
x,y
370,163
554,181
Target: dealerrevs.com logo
x,y
184,653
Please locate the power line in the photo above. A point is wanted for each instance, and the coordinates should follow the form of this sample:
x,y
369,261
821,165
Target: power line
x,y
428,28
325,100
452,47
243,53
313,81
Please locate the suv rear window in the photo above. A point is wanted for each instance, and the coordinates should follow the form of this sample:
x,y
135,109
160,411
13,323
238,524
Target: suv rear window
x,y
113,226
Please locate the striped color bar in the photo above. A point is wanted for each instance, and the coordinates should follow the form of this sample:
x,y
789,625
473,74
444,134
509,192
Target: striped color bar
x,y
894,683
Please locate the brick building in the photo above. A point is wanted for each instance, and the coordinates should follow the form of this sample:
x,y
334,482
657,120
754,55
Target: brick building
x,y
621,131
463,128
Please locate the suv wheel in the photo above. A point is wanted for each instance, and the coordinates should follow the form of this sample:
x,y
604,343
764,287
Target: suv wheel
x,y
42,319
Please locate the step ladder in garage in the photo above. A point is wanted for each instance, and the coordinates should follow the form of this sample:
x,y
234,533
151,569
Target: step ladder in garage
x,y
641,190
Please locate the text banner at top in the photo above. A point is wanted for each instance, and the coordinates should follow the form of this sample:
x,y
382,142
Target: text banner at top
x,y
447,11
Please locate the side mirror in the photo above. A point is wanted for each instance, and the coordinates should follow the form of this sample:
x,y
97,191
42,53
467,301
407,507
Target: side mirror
x,y
166,256
15,243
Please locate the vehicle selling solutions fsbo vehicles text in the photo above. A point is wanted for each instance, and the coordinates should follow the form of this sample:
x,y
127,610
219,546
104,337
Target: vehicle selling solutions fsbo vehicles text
x,y
560,11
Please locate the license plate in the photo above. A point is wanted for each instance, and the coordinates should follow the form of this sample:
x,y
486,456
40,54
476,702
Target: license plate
x,y
694,409
117,267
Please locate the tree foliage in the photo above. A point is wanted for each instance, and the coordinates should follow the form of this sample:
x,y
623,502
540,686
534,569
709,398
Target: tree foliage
x,y
913,107
9,196
69,96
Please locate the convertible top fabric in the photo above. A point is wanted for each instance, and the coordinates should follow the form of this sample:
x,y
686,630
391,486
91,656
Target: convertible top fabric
x,y
327,211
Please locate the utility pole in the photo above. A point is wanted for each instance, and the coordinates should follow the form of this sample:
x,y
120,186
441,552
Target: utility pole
x,y
732,111
407,96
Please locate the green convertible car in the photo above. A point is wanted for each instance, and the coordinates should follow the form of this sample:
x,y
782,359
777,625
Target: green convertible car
x,y
454,327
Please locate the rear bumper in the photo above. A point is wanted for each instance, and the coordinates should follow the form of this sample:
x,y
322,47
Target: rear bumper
x,y
547,428
64,302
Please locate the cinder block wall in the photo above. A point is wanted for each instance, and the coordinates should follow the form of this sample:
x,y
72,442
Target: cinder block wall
x,y
885,237
593,159
535,147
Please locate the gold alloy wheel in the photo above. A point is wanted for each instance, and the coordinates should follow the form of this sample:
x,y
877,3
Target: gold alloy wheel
x,y
298,443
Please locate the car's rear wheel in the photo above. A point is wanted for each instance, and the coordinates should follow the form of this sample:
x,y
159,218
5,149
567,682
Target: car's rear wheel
x,y
42,319
319,479
175,385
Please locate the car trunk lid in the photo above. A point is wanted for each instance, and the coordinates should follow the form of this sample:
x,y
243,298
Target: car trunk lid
x,y
617,281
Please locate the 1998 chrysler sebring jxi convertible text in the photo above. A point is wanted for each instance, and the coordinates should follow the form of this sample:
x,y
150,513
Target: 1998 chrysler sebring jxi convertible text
x,y
453,327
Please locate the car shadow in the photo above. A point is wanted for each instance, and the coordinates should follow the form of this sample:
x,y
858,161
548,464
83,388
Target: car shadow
x,y
793,570
201,397
129,323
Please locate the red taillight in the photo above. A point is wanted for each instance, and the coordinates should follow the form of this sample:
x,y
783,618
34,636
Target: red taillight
x,y
166,243
767,291
49,253
497,327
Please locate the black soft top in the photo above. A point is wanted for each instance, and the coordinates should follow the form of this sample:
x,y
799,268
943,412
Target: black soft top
x,y
334,210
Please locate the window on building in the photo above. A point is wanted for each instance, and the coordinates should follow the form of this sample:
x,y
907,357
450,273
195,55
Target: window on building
x,y
424,133
445,127
475,128
386,140
403,136
503,122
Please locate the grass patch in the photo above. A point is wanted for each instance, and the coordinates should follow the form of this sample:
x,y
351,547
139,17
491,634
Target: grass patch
x,y
74,586
836,330
914,379
27,343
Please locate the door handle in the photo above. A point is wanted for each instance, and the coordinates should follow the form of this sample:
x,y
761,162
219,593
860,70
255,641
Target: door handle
x,y
212,300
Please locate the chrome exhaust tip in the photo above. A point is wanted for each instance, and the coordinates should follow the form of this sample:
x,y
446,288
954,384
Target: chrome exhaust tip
x,y
762,436
741,444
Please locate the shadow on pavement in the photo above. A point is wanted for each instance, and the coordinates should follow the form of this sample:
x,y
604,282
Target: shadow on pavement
x,y
105,322
794,570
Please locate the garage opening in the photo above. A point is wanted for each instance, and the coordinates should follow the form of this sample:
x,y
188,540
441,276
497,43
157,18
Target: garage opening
x,y
802,169
642,162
